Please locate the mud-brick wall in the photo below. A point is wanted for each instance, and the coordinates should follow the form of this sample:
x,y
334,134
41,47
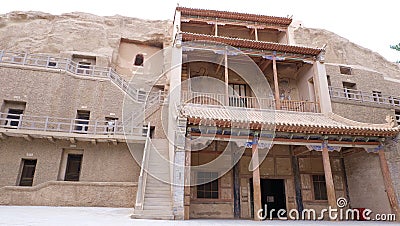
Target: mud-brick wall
x,y
212,208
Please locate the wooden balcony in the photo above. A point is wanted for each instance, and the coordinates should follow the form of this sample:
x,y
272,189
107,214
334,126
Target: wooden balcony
x,y
30,127
246,102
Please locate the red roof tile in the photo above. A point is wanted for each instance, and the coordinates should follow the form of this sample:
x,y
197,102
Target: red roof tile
x,y
251,44
235,16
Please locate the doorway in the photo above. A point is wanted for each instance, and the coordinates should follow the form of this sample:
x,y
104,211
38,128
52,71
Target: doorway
x,y
73,169
273,196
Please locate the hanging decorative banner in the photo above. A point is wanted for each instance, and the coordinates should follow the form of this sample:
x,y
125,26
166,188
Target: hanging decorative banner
x,y
374,150
272,57
320,147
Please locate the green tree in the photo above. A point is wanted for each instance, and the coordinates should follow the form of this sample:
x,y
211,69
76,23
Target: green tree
x,y
396,47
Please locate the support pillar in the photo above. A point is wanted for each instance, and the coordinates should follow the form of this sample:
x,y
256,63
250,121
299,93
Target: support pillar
x,y
236,183
226,78
389,184
330,187
188,155
297,183
276,84
256,179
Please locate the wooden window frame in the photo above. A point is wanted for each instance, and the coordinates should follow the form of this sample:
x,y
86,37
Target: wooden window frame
x,y
211,191
313,188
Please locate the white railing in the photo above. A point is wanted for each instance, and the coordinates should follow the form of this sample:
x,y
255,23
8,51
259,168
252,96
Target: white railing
x,y
143,172
68,125
246,102
362,96
64,64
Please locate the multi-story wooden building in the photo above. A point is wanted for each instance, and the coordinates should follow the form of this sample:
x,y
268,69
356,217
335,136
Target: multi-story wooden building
x,y
229,117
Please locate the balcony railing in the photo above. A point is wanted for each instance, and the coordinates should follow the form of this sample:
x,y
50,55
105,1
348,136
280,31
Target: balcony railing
x,y
64,64
68,125
362,96
246,102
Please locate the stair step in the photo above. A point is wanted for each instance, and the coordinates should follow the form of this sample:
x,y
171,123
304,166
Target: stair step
x,y
154,195
153,215
158,208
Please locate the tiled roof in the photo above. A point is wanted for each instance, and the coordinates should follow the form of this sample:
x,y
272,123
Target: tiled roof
x,y
251,44
235,16
285,121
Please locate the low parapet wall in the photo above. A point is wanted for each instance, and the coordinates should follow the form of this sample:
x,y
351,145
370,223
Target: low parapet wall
x,y
64,193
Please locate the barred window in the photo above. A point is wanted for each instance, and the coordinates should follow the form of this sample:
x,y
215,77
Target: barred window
x,y
208,190
319,187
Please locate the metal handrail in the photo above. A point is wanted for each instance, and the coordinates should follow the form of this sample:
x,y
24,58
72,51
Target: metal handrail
x,y
363,96
68,125
65,64
143,172
247,102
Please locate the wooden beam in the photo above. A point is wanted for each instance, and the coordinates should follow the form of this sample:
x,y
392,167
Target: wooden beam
x,y
226,78
51,139
389,184
27,137
266,64
330,187
72,140
256,33
276,84
256,180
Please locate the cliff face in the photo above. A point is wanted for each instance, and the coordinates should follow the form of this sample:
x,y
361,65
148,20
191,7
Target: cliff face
x,y
341,51
38,32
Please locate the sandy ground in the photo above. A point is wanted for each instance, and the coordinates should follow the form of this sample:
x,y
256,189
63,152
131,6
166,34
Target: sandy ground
x,y
59,216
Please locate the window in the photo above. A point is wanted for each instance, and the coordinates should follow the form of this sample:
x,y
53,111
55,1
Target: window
x,y
111,122
397,115
84,63
152,129
377,96
329,80
13,117
73,169
319,186
28,172
208,190
345,70
237,93
139,59
12,111
82,120
350,90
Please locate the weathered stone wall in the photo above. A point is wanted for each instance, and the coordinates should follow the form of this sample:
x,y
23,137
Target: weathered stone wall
x,y
64,193
102,162
365,182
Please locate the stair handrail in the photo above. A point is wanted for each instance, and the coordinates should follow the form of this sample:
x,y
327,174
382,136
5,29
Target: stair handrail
x,y
66,64
143,172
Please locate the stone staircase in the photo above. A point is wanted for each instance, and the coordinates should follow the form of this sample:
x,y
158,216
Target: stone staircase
x,y
157,202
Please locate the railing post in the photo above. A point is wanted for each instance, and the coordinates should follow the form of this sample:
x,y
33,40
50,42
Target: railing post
x,y
71,126
20,121
1,55
24,60
46,123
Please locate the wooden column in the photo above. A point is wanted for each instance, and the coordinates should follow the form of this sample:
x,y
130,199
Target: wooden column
x,y
216,28
276,84
389,184
226,78
297,183
256,33
188,156
236,183
330,187
256,179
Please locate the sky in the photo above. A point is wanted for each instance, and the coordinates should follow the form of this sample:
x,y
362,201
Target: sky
x,y
371,24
